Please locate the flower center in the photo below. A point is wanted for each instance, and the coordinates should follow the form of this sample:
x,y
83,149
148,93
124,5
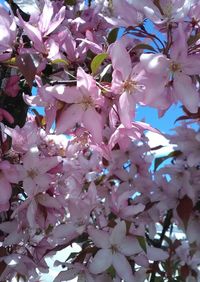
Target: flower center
x,y
32,173
167,9
114,249
131,86
87,102
174,67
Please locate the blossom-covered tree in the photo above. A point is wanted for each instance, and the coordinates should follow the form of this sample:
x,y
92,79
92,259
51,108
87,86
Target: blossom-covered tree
x,y
82,170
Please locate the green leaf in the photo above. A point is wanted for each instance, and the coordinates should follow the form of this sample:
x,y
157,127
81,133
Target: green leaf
x,y
144,47
160,160
111,271
60,61
70,2
112,36
27,64
97,61
142,242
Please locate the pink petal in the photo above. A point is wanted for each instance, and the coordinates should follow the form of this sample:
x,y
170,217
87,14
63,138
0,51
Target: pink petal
x,y
179,49
133,210
99,237
29,186
129,246
5,190
118,233
46,16
191,65
94,47
64,93
69,44
45,164
93,122
117,82
68,118
186,92
126,109
57,20
62,231
101,261
122,267
43,181
142,126
31,213
141,260
33,33
154,63
34,100
156,254
47,201
120,59
85,82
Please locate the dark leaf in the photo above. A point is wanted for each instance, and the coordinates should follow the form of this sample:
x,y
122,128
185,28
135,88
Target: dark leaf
x,y
112,36
142,242
17,108
27,64
185,271
184,209
70,2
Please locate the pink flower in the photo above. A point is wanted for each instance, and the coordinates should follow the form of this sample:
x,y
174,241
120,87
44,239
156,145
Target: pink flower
x,y
119,204
83,99
126,81
34,171
114,248
49,20
126,14
175,71
172,10
7,30
8,175
124,136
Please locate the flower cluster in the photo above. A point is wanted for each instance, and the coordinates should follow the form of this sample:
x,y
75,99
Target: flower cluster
x,y
80,170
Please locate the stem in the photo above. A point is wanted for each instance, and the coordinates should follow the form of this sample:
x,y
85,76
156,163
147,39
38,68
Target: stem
x,y
158,243
153,276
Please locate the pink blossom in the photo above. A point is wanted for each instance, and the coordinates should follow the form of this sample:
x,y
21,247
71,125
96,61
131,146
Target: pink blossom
x,y
8,175
7,30
84,99
127,81
34,171
47,23
177,69
114,248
